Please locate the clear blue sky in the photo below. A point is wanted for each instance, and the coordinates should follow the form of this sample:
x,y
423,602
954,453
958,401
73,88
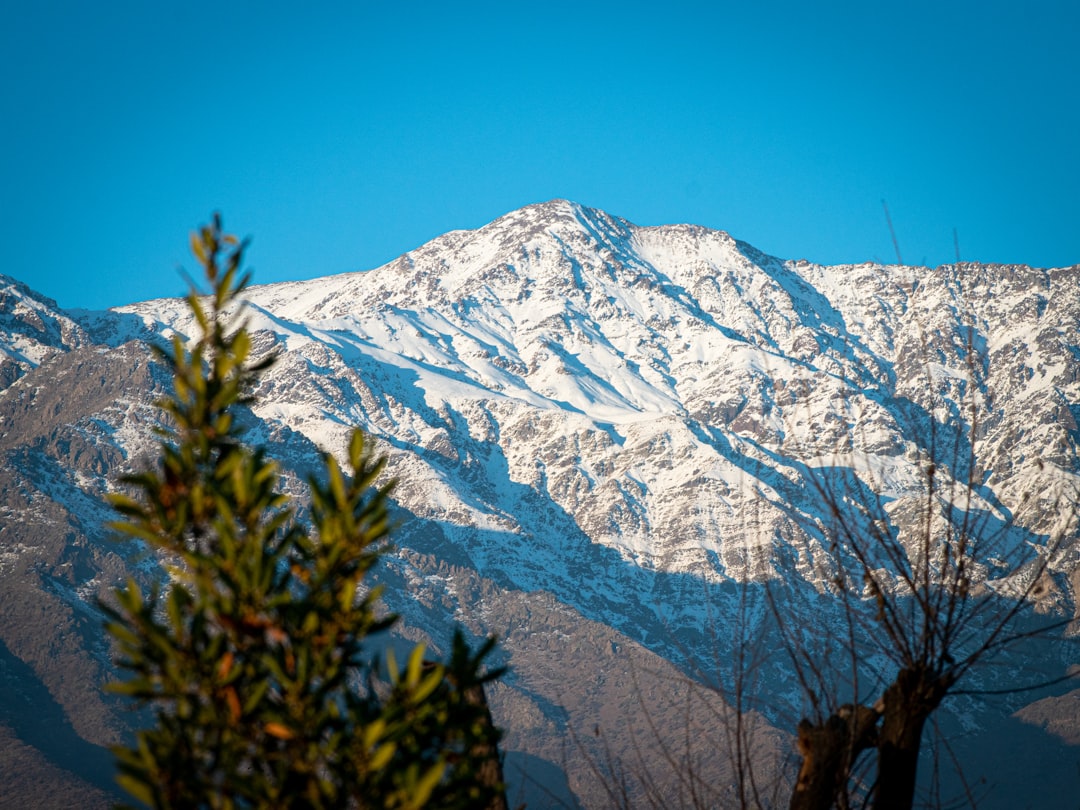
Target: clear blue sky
x,y
344,134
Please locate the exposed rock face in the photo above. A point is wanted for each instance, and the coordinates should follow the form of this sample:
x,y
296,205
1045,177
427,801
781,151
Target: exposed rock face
x,y
598,429
32,328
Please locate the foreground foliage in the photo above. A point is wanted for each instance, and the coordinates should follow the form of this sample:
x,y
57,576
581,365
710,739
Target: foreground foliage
x,y
256,659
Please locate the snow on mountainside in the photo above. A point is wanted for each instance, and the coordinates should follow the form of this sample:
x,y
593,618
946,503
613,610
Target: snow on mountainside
x,y
32,328
652,383
596,428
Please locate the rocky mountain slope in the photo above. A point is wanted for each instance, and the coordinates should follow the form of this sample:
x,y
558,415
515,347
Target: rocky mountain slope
x,y
599,430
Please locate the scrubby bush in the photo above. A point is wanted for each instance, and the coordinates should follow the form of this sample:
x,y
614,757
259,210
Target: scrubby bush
x,y
257,656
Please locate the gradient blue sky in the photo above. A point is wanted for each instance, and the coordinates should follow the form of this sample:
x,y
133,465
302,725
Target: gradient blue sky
x,y
344,134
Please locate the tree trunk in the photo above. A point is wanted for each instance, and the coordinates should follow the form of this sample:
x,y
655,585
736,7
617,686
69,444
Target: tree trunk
x,y
828,751
908,702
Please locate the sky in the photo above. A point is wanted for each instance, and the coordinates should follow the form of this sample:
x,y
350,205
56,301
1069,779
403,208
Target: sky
x,y
341,135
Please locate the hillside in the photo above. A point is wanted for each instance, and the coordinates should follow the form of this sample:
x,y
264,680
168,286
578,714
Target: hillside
x,y
600,431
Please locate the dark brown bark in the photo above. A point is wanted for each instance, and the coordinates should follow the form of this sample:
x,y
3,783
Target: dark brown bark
x,y
907,704
828,750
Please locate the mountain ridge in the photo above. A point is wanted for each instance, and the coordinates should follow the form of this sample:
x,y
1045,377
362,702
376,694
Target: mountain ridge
x,y
593,424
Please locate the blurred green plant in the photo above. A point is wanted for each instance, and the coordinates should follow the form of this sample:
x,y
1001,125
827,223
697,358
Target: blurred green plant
x,y
255,657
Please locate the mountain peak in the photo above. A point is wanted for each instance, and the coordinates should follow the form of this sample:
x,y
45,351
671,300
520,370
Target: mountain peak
x,y
564,219
556,210
593,424
32,328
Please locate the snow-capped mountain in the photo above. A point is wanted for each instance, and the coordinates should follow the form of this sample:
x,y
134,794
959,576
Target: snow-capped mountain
x,y
597,428
32,329
650,383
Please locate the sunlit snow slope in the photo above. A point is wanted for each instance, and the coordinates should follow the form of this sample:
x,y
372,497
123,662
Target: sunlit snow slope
x,y
597,429
660,391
